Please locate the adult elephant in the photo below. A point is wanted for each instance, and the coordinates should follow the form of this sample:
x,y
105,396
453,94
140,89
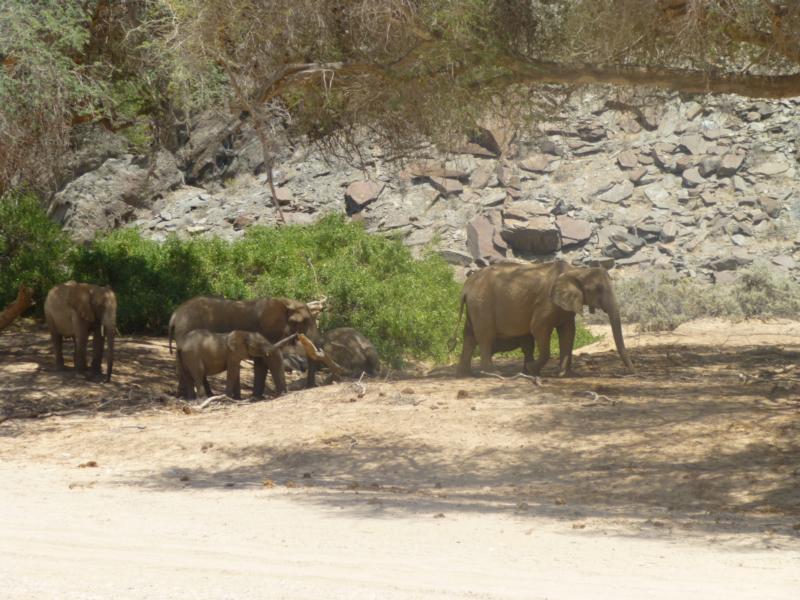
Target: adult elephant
x,y
508,302
74,310
274,318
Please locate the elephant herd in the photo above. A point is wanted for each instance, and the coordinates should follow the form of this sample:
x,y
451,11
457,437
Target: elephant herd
x,y
508,305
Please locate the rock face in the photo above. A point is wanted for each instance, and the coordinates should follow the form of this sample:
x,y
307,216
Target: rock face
x,y
701,186
110,196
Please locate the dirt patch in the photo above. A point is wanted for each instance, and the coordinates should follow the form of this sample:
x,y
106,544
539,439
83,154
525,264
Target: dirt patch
x,y
704,438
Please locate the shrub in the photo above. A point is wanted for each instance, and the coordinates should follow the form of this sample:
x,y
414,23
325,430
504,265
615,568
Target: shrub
x,y
662,302
33,250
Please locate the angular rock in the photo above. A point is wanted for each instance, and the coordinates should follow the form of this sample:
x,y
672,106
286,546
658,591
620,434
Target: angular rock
x,y
446,187
284,196
637,175
593,132
693,109
771,206
360,194
709,165
628,159
481,235
668,232
616,193
506,176
108,197
534,236
730,163
785,261
574,232
480,178
243,221
494,197
525,209
427,170
693,144
657,195
776,166
692,178
456,257
538,163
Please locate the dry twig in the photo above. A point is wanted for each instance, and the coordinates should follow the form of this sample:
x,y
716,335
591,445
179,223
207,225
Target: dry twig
x,y
534,380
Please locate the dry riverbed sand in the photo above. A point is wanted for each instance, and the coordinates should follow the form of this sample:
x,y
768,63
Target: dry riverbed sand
x,y
682,481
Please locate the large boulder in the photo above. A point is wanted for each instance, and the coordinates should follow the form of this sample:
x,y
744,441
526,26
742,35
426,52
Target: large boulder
x,y
482,239
534,235
360,194
109,197
574,232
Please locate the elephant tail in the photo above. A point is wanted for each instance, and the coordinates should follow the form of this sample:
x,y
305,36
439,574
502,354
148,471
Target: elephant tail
x,y
454,340
171,331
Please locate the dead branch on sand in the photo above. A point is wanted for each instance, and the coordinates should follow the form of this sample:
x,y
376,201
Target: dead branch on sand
x,y
23,302
534,380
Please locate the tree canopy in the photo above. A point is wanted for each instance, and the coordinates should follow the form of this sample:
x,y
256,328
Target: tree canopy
x,y
404,69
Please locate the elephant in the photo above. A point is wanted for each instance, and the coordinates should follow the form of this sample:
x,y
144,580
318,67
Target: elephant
x,y
74,310
274,318
507,300
347,347
204,353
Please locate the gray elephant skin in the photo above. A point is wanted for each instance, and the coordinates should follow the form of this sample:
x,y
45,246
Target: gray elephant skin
x,y
274,318
347,347
75,310
513,304
203,353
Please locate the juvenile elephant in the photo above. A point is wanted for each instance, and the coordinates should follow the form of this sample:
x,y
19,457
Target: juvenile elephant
x,y
76,309
203,353
347,347
507,300
274,318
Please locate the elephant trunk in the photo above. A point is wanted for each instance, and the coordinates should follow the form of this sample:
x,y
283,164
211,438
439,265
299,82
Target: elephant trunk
x,y
616,328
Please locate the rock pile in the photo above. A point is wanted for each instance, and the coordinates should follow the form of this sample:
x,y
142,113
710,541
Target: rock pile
x,y
699,187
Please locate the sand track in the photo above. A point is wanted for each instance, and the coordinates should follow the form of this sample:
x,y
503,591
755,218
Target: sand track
x,y
680,481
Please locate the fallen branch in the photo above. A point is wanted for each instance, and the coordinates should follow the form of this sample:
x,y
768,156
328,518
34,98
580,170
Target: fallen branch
x,y
23,302
211,399
318,355
531,378
361,388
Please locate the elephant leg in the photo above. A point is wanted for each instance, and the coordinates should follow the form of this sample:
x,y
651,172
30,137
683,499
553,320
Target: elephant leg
x,y
97,351
81,341
58,349
183,379
207,386
259,377
465,363
566,341
485,346
541,334
311,374
527,345
232,383
275,364
198,377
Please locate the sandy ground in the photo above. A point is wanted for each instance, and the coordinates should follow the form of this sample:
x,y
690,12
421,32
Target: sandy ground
x,y
682,481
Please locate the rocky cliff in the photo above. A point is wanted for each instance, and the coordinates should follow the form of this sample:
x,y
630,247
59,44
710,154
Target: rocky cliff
x,y
698,185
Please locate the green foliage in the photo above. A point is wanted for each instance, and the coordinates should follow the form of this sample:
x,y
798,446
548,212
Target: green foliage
x,y
663,302
407,307
33,249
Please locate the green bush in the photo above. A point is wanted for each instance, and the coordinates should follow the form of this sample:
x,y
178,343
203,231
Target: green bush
x,y
407,307
33,250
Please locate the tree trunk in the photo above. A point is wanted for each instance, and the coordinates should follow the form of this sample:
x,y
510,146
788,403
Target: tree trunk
x,y
23,302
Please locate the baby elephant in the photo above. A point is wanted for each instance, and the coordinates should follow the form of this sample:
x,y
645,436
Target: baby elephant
x,y
204,353
351,350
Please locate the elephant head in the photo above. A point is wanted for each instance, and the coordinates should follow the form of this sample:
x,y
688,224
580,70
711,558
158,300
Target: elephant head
x,y
591,287
96,305
301,319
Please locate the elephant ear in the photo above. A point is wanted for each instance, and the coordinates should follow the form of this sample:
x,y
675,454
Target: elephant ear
x,y
79,300
567,293
237,343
